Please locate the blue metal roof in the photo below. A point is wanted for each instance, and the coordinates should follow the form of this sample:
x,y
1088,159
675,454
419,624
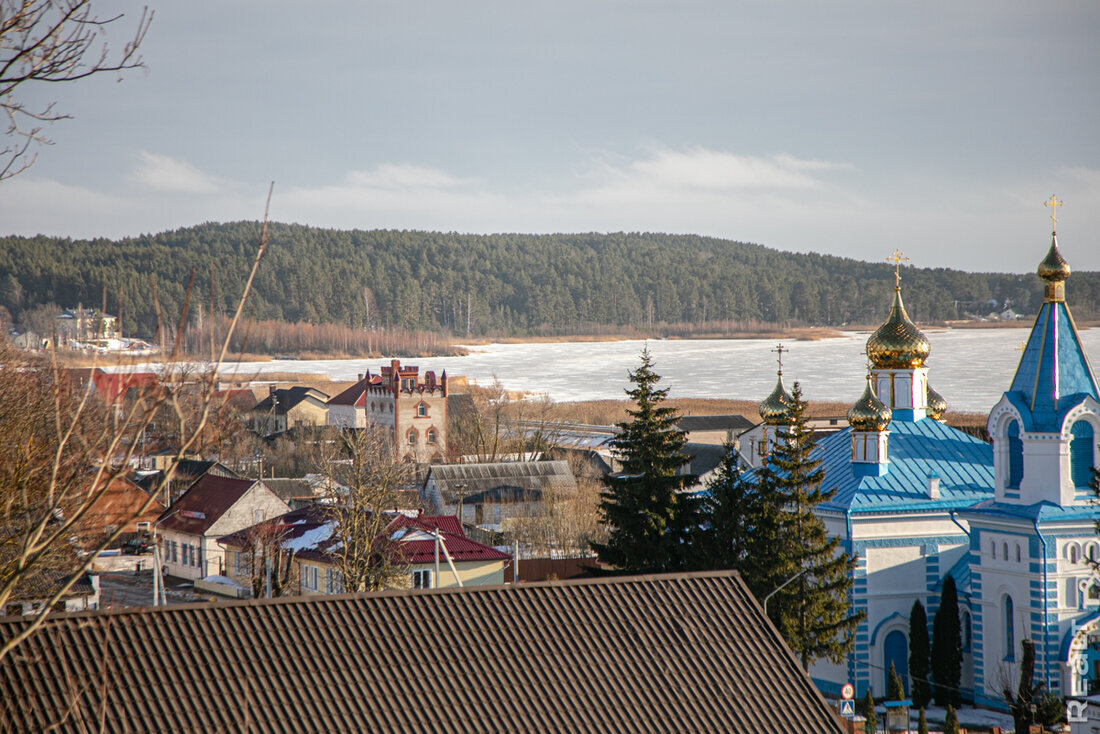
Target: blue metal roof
x,y
961,573
917,449
1040,511
1054,373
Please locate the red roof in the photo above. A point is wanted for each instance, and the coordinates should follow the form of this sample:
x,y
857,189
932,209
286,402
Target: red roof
x,y
351,396
113,386
308,521
200,506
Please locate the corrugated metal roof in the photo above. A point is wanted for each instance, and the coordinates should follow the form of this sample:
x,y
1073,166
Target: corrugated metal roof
x,y
675,653
917,449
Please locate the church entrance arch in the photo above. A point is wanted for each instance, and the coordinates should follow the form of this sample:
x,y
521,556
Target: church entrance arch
x,y
895,649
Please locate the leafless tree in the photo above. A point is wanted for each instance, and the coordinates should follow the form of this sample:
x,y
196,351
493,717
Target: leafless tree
x,y
59,455
496,425
366,483
270,565
50,42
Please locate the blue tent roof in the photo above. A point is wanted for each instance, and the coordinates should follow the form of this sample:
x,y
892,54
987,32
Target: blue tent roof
x,y
1054,373
917,449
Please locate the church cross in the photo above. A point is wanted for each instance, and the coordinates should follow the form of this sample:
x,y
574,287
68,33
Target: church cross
x,y
779,349
1053,203
897,258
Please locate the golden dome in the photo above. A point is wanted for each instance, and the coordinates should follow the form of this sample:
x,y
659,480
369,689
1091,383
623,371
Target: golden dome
x,y
1054,267
776,408
869,413
937,406
898,343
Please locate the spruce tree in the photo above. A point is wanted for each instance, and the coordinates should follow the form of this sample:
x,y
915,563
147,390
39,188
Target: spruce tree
x,y
788,538
896,690
728,508
919,656
867,711
947,647
951,721
650,519
922,722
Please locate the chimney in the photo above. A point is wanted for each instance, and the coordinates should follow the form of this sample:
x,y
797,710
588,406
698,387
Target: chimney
x,y
933,486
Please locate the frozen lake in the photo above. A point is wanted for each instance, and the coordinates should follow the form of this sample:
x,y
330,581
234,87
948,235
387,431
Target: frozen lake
x,y
969,367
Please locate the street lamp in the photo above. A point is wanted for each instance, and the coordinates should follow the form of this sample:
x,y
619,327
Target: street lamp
x,y
779,588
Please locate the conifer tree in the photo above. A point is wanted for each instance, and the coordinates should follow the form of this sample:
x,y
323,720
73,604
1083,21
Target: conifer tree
x,y
896,690
951,722
788,538
867,711
919,655
947,646
650,519
922,722
728,508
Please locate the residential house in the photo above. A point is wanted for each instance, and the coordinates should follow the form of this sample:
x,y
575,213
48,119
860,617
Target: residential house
x,y
120,506
492,494
286,409
412,406
88,327
35,591
212,507
187,472
308,533
713,429
668,653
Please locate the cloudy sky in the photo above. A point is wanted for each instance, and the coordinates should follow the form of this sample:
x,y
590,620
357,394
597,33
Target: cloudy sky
x,y
848,128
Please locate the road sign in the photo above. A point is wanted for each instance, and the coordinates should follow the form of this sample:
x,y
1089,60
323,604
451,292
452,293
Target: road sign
x,y
847,708
847,691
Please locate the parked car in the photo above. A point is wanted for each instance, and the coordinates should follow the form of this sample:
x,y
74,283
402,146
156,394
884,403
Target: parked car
x,y
137,546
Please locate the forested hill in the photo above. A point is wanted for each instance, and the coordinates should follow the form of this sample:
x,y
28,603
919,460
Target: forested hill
x,y
492,283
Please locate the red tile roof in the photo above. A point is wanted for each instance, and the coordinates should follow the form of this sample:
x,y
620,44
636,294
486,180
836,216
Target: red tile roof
x,y
200,506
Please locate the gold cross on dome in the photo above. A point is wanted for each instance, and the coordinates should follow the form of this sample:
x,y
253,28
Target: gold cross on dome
x,y
779,349
1053,203
897,258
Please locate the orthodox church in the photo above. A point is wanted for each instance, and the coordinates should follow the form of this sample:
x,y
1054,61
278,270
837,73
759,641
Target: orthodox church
x,y
1012,522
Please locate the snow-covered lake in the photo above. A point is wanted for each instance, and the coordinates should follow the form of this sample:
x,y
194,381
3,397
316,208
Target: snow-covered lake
x,y
969,367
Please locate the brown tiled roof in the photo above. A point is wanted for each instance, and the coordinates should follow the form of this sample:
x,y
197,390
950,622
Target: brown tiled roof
x,y
674,653
200,506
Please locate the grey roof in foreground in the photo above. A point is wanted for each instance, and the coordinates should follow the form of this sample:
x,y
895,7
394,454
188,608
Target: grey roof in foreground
x,y
675,653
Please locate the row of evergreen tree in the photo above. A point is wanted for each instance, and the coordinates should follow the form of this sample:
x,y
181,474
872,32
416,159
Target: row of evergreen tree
x,y
765,529
479,284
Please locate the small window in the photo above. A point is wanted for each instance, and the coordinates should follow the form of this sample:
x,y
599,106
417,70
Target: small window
x,y
421,409
422,579
334,582
992,550
1073,553
1017,553
412,436
430,435
257,516
143,527
309,578
1004,551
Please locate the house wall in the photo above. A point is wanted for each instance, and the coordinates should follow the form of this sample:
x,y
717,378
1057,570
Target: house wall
x,y
479,573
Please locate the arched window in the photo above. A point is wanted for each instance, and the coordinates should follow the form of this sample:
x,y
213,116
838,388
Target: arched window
x,y
431,436
966,631
1081,441
993,549
1017,553
1073,553
1010,630
421,409
1004,551
411,436
1015,456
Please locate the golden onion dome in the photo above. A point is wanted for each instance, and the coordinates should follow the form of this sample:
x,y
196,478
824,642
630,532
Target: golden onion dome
x,y
869,413
898,343
1054,267
777,407
937,406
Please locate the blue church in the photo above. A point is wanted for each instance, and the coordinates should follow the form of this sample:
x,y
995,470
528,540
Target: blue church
x,y
1012,522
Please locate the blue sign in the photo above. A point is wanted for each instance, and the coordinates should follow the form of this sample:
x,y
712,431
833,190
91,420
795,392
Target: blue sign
x,y
848,708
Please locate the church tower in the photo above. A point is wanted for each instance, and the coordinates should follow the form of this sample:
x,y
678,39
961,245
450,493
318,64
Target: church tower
x,y
1046,426
869,418
898,351
776,409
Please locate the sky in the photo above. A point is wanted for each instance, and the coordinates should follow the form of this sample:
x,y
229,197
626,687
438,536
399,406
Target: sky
x,y
846,128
